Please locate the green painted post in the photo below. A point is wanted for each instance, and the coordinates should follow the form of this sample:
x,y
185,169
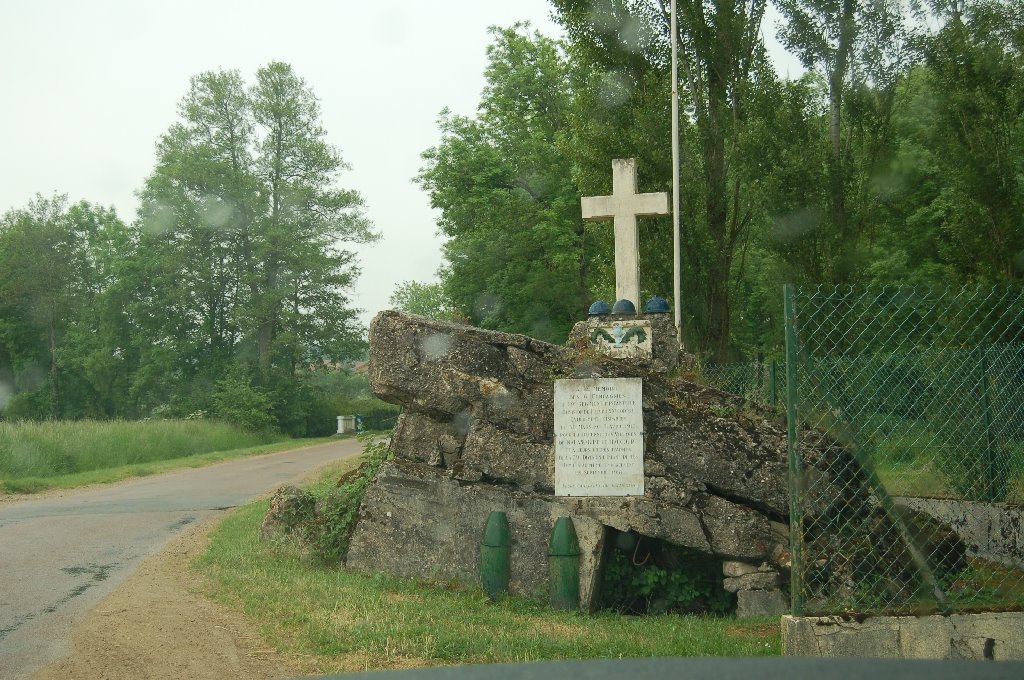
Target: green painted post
x,y
773,382
564,565
795,519
994,491
494,555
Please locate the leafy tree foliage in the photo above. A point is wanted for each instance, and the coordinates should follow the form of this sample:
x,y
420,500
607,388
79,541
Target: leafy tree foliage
x,y
425,299
896,158
236,401
975,136
611,102
860,50
517,248
241,224
226,296
64,343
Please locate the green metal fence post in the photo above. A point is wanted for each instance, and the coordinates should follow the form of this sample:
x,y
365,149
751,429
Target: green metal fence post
x,y
760,377
773,399
992,491
795,520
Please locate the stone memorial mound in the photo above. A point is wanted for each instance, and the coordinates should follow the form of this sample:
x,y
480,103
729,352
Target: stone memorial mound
x,y
476,434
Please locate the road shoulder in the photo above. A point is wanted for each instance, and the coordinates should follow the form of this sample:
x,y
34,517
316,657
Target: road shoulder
x,y
158,624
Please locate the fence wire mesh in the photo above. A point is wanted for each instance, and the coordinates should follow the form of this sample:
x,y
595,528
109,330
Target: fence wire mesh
x,y
906,449
761,381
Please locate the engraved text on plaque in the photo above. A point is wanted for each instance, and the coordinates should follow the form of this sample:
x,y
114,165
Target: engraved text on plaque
x,y
599,437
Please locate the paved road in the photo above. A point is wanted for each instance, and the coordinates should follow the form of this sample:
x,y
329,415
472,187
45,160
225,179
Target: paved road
x,y
60,556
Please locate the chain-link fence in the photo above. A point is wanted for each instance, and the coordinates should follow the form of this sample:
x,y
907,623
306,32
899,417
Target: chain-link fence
x,y
762,381
378,418
906,449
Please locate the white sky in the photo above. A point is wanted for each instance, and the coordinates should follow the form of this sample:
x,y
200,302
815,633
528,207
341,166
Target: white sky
x,y
90,86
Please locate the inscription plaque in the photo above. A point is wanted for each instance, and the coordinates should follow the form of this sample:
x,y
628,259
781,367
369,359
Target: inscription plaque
x,y
599,437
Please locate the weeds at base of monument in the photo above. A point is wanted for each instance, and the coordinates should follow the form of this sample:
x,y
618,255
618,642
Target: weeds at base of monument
x,y
321,521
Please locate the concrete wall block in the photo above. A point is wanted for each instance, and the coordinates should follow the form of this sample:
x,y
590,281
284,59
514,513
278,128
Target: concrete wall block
x,y
760,603
927,637
508,457
998,636
980,637
991,531
441,368
746,463
798,637
438,525
736,531
753,581
733,568
680,526
477,434
591,536
878,638
423,439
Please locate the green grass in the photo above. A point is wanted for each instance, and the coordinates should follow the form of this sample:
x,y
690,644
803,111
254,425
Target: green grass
x,y
48,455
905,480
348,621
913,458
924,478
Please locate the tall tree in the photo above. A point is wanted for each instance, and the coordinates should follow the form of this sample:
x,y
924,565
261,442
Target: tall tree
x,y
99,354
860,48
425,299
627,44
961,207
198,216
517,249
299,314
243,233
58,266
36,287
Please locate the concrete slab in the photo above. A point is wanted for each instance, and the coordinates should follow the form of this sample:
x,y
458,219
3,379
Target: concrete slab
x,y
992,636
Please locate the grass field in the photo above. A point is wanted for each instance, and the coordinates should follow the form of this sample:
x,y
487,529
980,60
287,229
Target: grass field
x,y
349,621
38,456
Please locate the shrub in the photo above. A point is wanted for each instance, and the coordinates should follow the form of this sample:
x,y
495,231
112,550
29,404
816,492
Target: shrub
x,y
236,401
329,532
663,578
27,406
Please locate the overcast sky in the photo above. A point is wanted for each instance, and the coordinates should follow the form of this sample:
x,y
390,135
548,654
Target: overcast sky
x,y
90,86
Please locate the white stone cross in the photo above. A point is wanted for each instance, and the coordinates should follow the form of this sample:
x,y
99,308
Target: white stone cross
x,y
623,207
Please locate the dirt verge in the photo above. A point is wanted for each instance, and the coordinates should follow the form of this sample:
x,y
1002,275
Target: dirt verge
x,y
158,624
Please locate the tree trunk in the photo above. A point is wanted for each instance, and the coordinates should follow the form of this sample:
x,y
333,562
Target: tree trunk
x,y
581,264
54,374
715,171
265,332
837,178
269,302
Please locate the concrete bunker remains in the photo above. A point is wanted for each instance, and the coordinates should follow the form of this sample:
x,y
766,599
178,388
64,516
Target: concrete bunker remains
x,y
477,434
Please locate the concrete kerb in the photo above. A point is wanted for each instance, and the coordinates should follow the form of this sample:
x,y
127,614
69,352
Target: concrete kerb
x,y
990,636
